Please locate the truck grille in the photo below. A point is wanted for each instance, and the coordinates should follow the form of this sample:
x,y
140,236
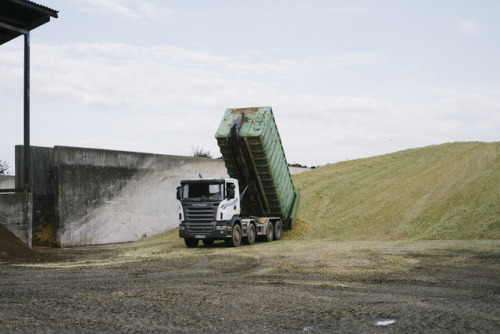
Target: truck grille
x,y
200,219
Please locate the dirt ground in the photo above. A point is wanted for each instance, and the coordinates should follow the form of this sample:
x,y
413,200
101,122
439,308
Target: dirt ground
x,y
159,286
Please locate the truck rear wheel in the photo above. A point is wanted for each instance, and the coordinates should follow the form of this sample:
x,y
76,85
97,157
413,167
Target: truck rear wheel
x,y
191,242
278,228
252,234
270,232
235,240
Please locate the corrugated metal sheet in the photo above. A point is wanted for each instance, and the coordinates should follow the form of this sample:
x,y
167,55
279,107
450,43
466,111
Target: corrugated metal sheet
x,y
257,159
22,14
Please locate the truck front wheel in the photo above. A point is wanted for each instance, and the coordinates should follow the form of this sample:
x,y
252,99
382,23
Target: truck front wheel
x,y
235,240
191,242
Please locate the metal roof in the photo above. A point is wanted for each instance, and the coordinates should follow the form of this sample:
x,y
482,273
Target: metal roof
x,y
17,16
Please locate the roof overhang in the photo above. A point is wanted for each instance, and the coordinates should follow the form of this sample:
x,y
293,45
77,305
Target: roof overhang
x,y
18,17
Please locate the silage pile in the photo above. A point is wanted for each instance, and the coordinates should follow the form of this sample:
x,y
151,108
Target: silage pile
x,y
449,191
12,248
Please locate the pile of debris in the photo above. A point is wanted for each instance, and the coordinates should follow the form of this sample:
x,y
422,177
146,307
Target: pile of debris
x,y
12,248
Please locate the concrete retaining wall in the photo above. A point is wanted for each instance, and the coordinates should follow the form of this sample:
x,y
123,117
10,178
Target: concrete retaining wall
x,y
112,196
16,216
41,187
7,182
21,212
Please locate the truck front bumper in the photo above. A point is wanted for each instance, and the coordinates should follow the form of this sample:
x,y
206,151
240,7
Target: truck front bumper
x,y
219,232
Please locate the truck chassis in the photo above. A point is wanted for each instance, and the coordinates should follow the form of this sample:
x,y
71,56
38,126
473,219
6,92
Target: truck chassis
x,y
247,231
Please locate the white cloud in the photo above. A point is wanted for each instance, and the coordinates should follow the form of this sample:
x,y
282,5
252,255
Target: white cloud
x,y
468,26
168,99
318,129
11,69
352,9
126,8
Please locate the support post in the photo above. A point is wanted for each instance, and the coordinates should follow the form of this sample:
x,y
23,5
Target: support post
x,y
27,112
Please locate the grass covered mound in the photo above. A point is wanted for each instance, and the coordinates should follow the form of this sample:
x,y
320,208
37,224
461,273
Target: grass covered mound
x,y
449,191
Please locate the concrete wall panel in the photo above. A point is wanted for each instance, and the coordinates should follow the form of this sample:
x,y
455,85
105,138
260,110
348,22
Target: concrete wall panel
x,y
41,186
7,181
14,215
112,196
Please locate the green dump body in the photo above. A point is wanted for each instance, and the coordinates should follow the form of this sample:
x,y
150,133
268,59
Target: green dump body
x,y
252,152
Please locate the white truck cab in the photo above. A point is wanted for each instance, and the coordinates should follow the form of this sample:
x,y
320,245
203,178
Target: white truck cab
x,y
209,210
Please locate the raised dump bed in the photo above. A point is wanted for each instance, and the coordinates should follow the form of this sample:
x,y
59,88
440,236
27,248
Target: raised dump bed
x,y
252,151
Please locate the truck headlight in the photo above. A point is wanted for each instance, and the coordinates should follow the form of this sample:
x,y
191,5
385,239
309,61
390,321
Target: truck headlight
x,y
182,228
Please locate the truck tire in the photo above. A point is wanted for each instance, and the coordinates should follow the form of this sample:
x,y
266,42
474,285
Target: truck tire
x,y
278,228
191,242
269,232
251,235
235,240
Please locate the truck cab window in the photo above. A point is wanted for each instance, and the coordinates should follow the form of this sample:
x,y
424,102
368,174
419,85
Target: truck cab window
x,y
215,192
202,191
230,190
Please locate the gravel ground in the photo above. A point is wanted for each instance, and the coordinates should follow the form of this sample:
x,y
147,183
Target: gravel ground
x,y
159,286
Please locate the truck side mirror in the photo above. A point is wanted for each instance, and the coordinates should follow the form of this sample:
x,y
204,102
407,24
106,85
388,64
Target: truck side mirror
x,y
230,190
179,193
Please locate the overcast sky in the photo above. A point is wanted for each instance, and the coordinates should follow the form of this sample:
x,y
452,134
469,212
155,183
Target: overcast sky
x,y
345,79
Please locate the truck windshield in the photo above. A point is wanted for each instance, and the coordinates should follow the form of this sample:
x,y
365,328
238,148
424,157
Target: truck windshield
x,y
202,191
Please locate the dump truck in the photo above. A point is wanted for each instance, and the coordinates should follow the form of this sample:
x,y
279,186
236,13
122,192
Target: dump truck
x,y
257,201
